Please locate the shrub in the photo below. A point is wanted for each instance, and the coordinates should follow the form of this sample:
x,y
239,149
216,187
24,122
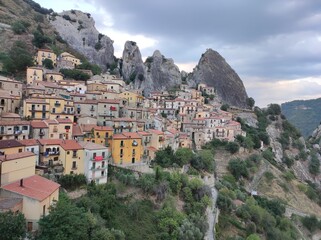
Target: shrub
x,y
224,107
72,181
74,74
66,17
310,222
232,147
98,46
238,169
20,27
48,63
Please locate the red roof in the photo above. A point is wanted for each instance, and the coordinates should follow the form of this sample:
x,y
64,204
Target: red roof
x,y
63,120
35,187
39,124
156,131
144,133
14,156
126,135
65,144
29,142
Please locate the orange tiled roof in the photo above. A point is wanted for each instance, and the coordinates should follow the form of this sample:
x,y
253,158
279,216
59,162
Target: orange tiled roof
x,y
35,187
103,128
39,124
29,142
65,144
14,156
155,131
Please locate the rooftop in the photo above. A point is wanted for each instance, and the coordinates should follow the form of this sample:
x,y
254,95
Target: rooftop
x,y
35,187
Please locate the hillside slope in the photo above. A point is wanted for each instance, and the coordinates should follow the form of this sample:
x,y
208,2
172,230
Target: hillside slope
x,y
303,114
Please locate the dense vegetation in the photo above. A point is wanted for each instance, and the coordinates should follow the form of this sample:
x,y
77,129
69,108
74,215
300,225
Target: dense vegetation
x,y
151,212
74,74
12,226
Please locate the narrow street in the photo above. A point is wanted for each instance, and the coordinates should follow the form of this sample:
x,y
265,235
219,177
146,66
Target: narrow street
x,y
211,211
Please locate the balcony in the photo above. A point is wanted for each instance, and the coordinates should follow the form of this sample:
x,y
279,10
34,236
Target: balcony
x,y
3,132
51,153
55,130
41,133
17,132
74,168
74,155
57,104
92,109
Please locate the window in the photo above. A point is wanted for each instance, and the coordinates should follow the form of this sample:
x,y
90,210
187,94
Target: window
x,y
74,165
103,154
94,155
102,173
44,210
121,143
32,150
68,152
20,150
133,160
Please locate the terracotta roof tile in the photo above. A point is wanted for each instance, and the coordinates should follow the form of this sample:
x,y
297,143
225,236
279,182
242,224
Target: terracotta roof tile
x,y
155,131
76,131
29,142
14,156
35,187
65,144
92,146
10,144
38,124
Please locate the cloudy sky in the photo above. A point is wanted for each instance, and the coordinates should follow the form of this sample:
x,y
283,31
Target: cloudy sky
x,y
274,45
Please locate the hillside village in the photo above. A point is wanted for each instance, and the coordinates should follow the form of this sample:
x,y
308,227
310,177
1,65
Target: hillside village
x,y
54,125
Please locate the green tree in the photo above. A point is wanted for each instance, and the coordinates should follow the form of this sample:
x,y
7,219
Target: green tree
x,y
183,156
310,222
65,221
250,102
314,165
165,158
253,237
96,70
12,226
237,167
18,58
224,107
232,147
39,39
19,27
48,63
207,158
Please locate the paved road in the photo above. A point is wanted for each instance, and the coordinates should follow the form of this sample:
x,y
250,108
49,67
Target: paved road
x,y
211,213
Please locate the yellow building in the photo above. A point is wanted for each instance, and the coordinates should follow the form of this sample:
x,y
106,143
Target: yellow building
x,y
101,135
36,108
54,77
126,148
11,147
37,194
43,54
48,107
60,128
133,99
34,74
70,58
16,166
67,153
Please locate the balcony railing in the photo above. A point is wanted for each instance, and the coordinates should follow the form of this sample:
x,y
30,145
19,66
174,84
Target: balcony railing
x,y
74,168
57,104
74,155
41,133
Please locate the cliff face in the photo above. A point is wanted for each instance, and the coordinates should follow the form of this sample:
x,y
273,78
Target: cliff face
x,y
213,70
78,30
157,73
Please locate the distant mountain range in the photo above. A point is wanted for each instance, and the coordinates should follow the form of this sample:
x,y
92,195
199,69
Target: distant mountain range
x,y
304,114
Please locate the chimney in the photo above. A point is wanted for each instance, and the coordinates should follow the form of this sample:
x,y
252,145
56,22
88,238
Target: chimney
x,y
21,182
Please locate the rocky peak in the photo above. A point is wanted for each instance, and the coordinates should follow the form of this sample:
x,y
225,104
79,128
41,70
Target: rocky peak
x,y
213,70
78,30
133,65
157,73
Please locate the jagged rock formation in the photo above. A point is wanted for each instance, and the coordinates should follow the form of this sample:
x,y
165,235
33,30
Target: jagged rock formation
x,y
133,66
213,70
157,73
78,30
